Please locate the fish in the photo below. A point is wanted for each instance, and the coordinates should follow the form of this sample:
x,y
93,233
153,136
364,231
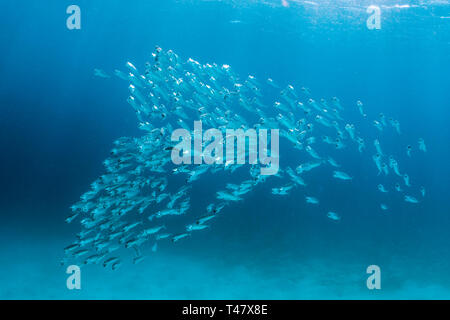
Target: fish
x,y
116,265
307,166
138,259
180,236
377,159
71,247
195,227
381,188
382,119
311,200
333,216
422,146
385,168
312,153
131,226
306,91
394,165
327,139
378,147
282,190
153,230
94,259
323,121
80,253
408,150
166,212
339,144
341,175
227,196
110,261
359,104
294,177
378,125
72,217
272,83
163,236
100,73
411,199
333,162
396,125
406,179
361,144
351,130
206,218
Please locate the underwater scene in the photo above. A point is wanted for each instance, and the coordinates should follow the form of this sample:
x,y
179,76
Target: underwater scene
x,y
225,149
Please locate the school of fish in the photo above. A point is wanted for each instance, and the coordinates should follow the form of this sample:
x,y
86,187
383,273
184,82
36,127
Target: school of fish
x,y
141,197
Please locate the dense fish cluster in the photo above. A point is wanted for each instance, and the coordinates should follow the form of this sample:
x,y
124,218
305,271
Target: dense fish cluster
x,y
142,196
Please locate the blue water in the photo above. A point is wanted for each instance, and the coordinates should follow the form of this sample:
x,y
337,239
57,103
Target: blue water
x,y
58,123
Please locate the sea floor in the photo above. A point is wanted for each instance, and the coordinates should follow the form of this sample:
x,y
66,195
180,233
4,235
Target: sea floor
x,y
32,271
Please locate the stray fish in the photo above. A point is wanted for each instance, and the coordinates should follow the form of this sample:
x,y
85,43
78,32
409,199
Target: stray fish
x,y
378,147
422,191
411,199
312,200
359,104
408,150
378,125
341,175
422,146
205,218
180,236
333,162
406,179
100,73
195,227
282,190
333,216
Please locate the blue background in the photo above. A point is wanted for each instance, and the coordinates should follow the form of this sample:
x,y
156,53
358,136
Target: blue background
x,y
58,122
